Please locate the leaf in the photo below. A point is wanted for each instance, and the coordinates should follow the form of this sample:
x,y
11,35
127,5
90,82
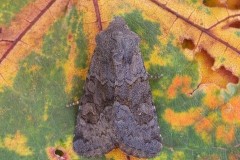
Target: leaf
x,y
45,51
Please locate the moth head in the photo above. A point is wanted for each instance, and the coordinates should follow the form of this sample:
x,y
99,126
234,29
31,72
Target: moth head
x,y
118,43
118,22
126,47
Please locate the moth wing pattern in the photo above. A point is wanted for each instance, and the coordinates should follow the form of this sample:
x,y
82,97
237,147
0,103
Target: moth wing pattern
x,y
92,140
116,109
134,139
135,120
94,133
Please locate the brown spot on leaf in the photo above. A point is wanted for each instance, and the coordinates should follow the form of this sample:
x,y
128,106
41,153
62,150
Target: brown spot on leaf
x,y
70,37
220,76
188,43
57,153
230,4
228,75
232,24
235,24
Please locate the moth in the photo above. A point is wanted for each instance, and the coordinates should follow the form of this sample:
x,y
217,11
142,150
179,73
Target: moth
x,y
116,109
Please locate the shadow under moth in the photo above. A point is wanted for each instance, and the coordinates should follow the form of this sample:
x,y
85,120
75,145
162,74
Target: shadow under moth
x,y
116,109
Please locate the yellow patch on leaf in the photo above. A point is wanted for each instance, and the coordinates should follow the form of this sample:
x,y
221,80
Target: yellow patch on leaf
x,y
134,158
116,154
178,155
18,144
225,134
70,70
162,156
34,68
45,113
212,98
157,59
180,120
182,83
156,93
231,111
206,137
205,126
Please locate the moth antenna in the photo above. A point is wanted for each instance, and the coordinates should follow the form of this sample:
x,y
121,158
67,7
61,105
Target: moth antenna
x,y
156,76
73,104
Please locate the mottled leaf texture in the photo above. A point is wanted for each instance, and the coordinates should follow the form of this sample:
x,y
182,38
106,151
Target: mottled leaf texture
x,y
116,109
46,47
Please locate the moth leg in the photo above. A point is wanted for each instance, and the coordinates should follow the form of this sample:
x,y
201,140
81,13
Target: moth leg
x,y
135,138
94,135
73,103
155,76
